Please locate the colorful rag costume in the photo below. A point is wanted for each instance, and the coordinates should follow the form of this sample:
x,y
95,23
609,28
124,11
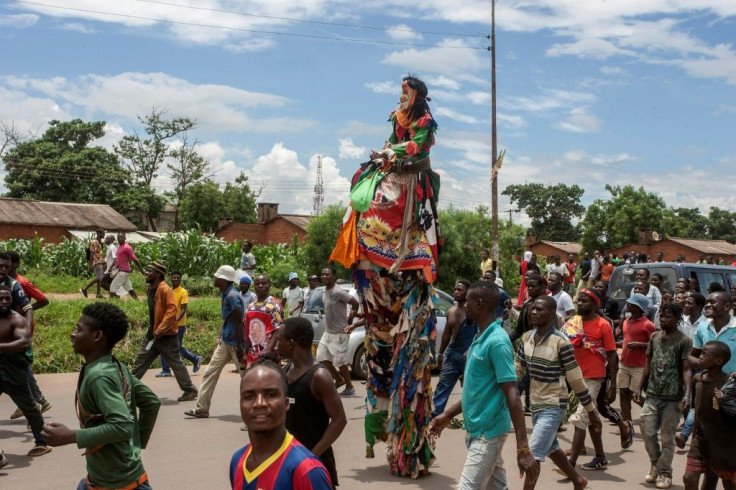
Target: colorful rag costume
x,y
391,241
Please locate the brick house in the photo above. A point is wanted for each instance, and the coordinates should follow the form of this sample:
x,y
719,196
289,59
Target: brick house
x,y
545,248
271,227
24,218
690,248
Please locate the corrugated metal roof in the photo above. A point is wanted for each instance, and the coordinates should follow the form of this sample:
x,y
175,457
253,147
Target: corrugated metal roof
x,y
568,247
68,215
299,220
707,246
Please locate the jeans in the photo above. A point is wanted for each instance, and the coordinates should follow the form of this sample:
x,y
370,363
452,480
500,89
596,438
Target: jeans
x,y
660,418
83,486
185,354
452,369
168,347
544,434
484,465
33,385
687,427
21,396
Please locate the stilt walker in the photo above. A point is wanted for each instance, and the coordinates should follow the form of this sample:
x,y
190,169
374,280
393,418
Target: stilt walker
x,y
391,241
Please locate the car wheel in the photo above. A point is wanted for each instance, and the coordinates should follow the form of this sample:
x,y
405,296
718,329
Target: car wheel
x,y
360,364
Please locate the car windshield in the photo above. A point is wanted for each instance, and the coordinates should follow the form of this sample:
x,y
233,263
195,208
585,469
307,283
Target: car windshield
x,y
314,302
442,303
623,283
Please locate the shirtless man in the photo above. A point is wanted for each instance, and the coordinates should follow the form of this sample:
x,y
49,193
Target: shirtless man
x,y
14,342
456,338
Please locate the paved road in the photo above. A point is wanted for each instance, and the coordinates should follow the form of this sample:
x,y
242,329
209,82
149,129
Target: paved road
x,y
189,453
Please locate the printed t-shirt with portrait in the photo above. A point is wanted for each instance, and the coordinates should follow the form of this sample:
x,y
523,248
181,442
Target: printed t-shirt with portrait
x,y
262,319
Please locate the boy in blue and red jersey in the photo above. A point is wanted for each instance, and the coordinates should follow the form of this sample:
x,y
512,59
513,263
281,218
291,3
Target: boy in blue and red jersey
x,y
263,406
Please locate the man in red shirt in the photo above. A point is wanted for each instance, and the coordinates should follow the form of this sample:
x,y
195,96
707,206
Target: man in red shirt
x,y
39,300
572,267
592,339
636,329
123,257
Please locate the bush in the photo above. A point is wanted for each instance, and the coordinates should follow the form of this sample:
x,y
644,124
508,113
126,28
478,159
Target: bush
x,y
52,346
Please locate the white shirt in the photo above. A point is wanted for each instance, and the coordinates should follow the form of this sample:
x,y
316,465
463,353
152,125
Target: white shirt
x,y
560,269
564,303
689,328
110,256
292,297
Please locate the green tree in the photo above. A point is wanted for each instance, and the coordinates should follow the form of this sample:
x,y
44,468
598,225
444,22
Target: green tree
x,y
64,166
722,224
617,221
202,206
684,222
186,167
144,156
552,209
322,233
239,200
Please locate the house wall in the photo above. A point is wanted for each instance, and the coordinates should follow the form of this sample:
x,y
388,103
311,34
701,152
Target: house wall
x,y
50,234
282,231
545,250
278,230
670,250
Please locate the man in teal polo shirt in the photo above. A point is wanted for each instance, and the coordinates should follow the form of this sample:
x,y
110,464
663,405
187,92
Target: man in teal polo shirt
x,y
490,400
720,325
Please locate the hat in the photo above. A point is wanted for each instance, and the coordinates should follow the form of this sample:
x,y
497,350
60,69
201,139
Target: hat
x,y
640,301
226,272
245,278
499,282
158,267
293,275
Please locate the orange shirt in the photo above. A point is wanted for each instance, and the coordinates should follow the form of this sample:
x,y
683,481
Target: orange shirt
x,y
606,272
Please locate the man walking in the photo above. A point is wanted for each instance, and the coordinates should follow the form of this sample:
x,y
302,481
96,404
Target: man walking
x,y
490,400
316,416
97,263
181,297
123,257
292,294
332,350
456,339
161,338
546,353
230,346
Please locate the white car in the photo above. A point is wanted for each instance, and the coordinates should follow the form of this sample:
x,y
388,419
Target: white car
x,y
314,310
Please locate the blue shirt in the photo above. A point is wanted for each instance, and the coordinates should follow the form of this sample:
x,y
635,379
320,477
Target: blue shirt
x,y
490,362
727,335
500,309
231,301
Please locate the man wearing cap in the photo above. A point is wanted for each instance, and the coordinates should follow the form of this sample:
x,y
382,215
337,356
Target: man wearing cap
x,y
637,330
292,295
230,346
162,336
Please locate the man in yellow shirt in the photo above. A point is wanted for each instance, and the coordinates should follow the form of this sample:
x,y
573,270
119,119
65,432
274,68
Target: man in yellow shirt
x,y
181,297
486,263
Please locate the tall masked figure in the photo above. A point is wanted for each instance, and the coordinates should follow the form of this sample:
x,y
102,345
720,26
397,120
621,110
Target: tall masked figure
x,y
390,240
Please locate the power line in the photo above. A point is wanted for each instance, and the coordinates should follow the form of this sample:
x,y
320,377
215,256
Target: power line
x,y
304,21
256,31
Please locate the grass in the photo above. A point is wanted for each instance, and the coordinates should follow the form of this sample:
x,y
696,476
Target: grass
x,y
52,347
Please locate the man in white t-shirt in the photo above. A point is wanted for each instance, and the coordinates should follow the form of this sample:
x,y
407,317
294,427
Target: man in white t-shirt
x,y
292,294
565,307
555,265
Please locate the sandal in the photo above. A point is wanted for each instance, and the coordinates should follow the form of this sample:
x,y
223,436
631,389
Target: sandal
x,y
197,413
39,450
627,439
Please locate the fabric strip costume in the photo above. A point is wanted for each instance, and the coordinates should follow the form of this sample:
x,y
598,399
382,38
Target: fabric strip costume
x,y
391,241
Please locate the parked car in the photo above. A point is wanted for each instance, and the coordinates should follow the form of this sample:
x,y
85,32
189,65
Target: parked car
x,y
314,310
623,278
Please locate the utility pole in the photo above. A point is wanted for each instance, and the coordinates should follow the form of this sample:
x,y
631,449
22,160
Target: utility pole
x,y
494,148
319,196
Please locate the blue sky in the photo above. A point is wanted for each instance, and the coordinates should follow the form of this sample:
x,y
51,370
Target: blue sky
x,y
589,92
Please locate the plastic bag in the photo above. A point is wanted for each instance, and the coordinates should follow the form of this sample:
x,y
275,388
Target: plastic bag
x,y
362,193
727,404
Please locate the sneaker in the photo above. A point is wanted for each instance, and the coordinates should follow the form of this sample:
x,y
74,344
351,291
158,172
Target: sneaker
x,y
188,396
663,482
347,392
197,364
597,463
163,374
45,406
84,292
652,476
3,460
17,414
681,441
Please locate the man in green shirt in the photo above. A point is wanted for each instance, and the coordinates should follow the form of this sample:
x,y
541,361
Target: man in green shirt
x,y
116,411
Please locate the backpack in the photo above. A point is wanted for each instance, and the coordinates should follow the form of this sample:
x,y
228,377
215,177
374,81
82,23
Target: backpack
x,y
88,252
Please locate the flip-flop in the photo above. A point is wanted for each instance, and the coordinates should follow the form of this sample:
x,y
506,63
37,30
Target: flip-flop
x,y
39,450
339,385
628,439
199,414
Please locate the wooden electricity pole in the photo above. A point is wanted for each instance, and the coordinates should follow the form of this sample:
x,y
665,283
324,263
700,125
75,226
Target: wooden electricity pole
x,y
494,148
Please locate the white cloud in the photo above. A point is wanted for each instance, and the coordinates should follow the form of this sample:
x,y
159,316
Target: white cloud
x,y
403,32
452,56
579,121
452,114
128,95
18,21
613,160
78,27
349,150
443,82
384,88
612,70
547,100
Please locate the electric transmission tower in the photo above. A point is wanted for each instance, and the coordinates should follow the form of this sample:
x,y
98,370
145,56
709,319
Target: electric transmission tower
x,y
319,196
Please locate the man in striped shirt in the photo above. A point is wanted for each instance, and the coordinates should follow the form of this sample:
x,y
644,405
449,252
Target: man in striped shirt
x,y
548,356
